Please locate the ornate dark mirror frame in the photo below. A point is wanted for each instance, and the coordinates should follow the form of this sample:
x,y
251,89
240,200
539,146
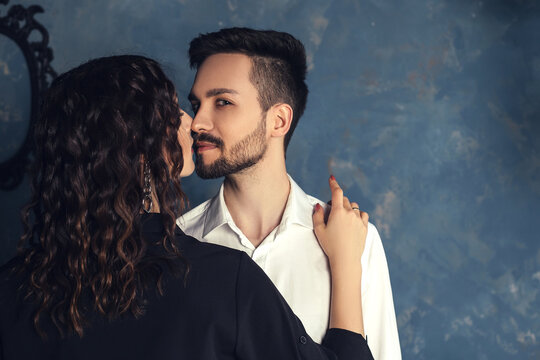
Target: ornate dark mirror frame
x,y
17,25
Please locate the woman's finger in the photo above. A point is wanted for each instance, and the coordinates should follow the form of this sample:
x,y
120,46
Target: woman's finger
x,y
365,218
337,192
318,218
346,203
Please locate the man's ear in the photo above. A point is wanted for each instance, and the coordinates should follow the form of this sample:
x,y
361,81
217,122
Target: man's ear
x,y
281,117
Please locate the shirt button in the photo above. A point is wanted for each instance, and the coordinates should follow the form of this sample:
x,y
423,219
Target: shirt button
x,y
303,340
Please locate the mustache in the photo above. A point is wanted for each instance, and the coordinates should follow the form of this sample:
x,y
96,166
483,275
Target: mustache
x,y
207,138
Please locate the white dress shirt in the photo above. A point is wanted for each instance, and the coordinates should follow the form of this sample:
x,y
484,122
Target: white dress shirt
x,y
292,258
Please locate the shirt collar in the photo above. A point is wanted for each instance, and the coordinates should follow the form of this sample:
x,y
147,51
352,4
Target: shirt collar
x,y
299,210
217,213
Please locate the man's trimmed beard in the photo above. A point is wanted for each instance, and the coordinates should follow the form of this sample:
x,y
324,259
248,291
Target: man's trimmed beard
x,y
244,154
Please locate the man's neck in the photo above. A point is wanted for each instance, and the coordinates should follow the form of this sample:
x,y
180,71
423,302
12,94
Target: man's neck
x,y
256,198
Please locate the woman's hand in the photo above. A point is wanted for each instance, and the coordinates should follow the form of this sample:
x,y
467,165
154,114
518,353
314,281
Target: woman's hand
x,y
343,236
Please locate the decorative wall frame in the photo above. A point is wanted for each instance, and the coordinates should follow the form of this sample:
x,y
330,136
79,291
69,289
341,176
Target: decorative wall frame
x,y
18,24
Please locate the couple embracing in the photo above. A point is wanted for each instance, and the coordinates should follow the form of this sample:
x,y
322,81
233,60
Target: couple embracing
x,y
110,267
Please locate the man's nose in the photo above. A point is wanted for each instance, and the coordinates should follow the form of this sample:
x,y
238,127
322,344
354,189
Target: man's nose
x,y
201,122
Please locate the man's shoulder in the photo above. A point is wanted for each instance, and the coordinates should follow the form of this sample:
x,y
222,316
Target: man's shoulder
x,y
314,201
303,197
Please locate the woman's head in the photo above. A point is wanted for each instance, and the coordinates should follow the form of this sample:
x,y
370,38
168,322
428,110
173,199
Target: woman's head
x,y
120,108
99,124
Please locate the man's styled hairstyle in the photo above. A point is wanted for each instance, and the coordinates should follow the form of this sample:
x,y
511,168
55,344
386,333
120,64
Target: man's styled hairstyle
x,y
278,64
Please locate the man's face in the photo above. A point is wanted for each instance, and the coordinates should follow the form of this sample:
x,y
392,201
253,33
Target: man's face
x,y
229,125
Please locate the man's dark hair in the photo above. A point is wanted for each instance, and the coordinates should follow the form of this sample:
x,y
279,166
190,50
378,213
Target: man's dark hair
x,y
278,64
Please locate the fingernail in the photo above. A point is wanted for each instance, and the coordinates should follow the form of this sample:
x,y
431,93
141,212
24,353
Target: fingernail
x,y
318,207
332,178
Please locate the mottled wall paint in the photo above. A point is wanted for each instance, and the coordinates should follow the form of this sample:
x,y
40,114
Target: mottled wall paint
x,y
426,110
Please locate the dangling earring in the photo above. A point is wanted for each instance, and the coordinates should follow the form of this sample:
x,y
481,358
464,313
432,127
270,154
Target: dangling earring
x,y
147,190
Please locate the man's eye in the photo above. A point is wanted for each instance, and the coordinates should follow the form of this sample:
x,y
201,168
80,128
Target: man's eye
x,y
194,107
223,102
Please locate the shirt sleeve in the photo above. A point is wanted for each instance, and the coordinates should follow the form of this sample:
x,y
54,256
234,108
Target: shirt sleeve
x,y
377,301
268,329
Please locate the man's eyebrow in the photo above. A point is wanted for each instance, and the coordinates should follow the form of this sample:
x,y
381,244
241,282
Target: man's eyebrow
x,y
212,93
219,91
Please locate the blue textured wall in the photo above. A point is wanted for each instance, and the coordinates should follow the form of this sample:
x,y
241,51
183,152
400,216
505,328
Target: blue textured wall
x,y
428,113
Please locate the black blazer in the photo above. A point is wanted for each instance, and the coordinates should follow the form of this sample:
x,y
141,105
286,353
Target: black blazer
x,y
227,309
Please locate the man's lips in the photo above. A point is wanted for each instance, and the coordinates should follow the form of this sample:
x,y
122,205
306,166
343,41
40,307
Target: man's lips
x,y
201,146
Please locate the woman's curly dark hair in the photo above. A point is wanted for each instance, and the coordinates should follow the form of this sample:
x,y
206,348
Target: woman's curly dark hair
x,y
83,224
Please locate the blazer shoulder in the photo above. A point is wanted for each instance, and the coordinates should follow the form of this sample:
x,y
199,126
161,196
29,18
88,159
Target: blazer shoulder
x,y
203,251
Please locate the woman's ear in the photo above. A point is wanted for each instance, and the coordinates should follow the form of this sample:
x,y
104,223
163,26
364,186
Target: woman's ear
x,y
281,117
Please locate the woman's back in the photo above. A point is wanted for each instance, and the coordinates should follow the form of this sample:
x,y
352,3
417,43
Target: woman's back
x,y
226,308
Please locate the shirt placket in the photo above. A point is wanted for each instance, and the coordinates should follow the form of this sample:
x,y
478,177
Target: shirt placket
x,y
260,255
